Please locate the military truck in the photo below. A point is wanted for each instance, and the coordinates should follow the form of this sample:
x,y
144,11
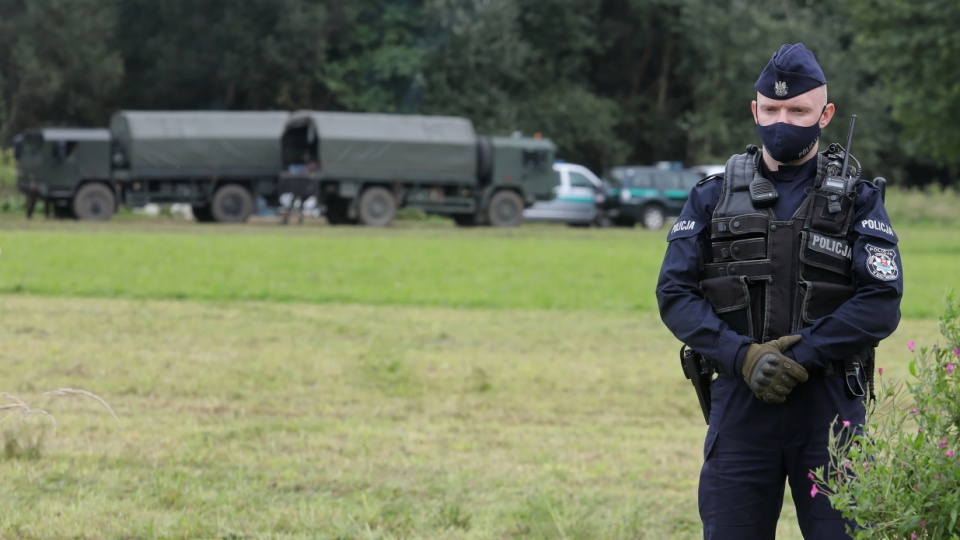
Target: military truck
x,y
63,166
219,163
363,167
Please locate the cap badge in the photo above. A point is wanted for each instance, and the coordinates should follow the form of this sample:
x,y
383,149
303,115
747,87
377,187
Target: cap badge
x,y
780,88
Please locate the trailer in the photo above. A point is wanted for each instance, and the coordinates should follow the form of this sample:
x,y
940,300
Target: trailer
x,y
363,167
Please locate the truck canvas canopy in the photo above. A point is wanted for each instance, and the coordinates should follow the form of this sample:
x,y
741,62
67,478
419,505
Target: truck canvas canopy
x,y
200,142
366,146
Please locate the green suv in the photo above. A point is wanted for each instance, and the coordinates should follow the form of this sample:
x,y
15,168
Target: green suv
x,y
649,195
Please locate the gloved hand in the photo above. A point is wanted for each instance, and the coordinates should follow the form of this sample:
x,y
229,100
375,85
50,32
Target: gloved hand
x,y
769,373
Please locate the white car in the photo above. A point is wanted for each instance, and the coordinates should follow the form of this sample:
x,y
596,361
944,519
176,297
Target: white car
x,y
579,197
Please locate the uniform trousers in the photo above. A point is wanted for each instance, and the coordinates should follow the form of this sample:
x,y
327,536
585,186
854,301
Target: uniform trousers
x,y
753,449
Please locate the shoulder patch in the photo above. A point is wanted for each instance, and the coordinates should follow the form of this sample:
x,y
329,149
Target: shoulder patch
x,y
882,263
878,228
685,227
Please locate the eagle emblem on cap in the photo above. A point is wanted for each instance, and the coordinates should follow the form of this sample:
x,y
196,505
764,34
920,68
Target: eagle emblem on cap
x,y
780,88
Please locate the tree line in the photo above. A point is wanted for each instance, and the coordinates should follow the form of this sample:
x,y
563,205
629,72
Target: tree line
x,y
610,81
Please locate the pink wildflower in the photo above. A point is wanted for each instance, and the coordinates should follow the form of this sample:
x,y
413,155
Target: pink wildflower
x,y
923,524
846,423
810,476
948,453
911,345
913,535
956,351
950,367
914,411
880,371
813,490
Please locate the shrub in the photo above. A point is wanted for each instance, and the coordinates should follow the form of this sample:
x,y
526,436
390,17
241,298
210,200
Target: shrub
x,y
898,475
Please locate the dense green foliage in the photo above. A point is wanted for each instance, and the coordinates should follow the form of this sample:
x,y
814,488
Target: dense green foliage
x,y
611,81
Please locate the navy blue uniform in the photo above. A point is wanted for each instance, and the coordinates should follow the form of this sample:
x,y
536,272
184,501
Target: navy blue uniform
x,y
751,446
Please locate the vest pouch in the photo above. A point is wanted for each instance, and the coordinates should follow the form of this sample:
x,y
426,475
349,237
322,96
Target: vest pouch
x,y
730,298
819,299
825,258
822,219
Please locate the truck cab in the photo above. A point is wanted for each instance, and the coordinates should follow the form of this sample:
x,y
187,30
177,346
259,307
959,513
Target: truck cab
x,y
579,198
68,169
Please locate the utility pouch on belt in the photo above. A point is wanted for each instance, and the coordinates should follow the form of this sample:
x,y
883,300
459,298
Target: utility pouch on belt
x,y
858,374
700,372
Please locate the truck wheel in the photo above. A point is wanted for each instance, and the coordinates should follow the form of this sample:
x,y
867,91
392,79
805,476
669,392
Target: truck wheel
x,y
94,202
506,209
202,213
231,204
336,211
465,220
377,207
652,217
484,159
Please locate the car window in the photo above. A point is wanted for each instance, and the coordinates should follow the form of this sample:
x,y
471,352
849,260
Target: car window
x,y
579,180
689,179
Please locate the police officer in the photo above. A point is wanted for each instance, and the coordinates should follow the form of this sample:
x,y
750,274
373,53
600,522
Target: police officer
x,y
785,274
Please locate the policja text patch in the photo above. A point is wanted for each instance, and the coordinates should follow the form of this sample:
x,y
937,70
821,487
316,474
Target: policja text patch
x,y
882,263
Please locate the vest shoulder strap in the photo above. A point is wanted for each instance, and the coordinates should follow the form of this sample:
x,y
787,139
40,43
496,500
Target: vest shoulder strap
x,y
735,200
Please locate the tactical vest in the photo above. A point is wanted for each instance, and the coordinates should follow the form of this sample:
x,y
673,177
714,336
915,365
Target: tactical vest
x,y
770,278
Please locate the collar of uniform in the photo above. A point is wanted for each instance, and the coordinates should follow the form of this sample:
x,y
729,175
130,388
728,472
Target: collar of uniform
x,y
789,173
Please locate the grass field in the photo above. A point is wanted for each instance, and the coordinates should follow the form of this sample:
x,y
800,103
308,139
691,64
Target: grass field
x,y
316,382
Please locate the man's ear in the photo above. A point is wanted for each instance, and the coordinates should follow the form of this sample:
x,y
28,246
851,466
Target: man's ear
x,y
827,115
753,111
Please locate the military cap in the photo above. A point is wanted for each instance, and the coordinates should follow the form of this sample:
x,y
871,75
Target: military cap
x,y
792,71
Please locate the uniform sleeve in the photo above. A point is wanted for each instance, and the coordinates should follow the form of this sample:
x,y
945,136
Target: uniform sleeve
x,y
683,309
873,312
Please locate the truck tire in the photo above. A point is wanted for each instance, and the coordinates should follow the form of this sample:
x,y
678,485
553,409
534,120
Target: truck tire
x,y
337,211
506,209
231,203
202,213
94,202
484,159
653,217
465,220
377,207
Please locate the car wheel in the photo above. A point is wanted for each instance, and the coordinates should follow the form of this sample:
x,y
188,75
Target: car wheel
x,y
603,221
94,202
653,217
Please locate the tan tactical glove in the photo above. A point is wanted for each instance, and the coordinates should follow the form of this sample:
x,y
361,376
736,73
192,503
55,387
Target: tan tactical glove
x,y
769,373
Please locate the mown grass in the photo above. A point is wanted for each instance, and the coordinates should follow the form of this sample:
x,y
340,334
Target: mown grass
x,y
286,420
432,265
312,382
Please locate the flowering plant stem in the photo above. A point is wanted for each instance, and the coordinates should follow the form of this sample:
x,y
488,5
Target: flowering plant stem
x,y
898,476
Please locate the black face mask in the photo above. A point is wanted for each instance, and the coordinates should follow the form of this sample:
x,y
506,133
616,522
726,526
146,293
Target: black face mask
x,y
787,142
